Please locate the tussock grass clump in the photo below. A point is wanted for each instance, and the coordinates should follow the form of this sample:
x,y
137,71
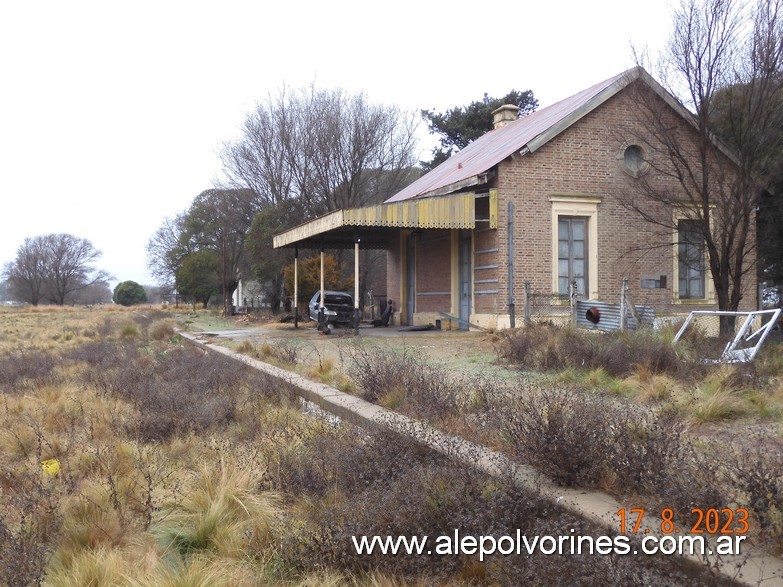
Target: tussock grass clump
x,y
223,514
129,330
99,566
288,352
719,396
653,387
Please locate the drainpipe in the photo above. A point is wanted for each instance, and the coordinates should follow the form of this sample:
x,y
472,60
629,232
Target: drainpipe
x,y
511,316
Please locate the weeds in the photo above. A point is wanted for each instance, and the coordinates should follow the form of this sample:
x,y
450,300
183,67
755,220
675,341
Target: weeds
x,y
588,441
401,378
136,419
549,348
21,371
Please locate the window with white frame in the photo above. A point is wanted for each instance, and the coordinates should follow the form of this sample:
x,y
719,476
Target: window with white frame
x,y
575,243
690,259
572,254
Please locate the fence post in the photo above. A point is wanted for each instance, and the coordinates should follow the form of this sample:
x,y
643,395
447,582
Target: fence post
x,y
572,298
623,310
528,319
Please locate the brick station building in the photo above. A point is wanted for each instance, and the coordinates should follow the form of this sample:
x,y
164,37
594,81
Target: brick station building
x,y
542,200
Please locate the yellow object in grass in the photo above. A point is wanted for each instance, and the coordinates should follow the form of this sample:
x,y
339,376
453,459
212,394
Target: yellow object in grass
x,y
50,467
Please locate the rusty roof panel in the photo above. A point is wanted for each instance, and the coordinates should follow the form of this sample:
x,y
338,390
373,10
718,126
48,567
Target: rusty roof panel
x,y
487,151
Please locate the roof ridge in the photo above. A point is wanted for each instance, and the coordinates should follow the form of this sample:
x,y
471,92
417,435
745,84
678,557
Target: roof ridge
x,y
495,145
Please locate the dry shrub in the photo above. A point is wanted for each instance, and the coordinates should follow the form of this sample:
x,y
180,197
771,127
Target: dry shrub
x,y
399,378
547,347
287,351
21,371
428,495
343,459
179,391
584,440
29,527
756,473
162,330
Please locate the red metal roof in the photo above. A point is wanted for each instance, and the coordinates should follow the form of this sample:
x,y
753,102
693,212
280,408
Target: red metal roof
x,y
487,151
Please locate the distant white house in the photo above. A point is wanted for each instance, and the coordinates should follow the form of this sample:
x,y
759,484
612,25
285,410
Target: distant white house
x,y
248,294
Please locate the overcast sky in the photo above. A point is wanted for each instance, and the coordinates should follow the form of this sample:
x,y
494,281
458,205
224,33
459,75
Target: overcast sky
x,y
112,114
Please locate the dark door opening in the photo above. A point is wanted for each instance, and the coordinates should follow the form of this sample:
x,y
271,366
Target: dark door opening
x,y
465,278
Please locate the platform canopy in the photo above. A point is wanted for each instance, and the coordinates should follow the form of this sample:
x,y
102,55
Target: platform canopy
x,y
376,225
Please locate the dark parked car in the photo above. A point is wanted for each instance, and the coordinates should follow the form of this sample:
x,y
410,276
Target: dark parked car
x,y
338,307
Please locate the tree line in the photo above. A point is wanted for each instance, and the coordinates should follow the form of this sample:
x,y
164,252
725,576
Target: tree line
x,y
56,269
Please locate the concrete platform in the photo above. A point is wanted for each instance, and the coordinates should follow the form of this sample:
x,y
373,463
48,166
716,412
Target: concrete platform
x,y
751,568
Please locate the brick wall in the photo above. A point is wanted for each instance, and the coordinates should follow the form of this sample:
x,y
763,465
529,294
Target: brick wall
x,y
433,271
586,160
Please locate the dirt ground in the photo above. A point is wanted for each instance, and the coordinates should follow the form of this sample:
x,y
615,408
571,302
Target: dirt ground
x,y
468,353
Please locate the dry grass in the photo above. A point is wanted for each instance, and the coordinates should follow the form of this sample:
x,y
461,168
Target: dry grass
x,y
53,327
268,495
222,514
720,396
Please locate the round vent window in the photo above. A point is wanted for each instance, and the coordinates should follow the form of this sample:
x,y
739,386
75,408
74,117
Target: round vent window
x,y
633,160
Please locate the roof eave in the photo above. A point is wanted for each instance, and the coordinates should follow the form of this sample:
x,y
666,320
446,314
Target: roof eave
x,y
478,179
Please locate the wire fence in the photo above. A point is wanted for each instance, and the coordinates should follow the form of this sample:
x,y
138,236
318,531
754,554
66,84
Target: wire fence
x,y
718,336
572,308
546,307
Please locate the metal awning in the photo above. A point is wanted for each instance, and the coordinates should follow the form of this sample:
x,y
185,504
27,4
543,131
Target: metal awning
x,y
375,225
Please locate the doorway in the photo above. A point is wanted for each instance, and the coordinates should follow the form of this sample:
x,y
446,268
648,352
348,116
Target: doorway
x,y
465,278
410,280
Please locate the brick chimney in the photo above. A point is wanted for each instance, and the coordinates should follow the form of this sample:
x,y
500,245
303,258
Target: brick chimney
x,y
504,115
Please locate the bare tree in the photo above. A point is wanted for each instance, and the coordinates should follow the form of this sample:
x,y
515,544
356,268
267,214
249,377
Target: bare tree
x,y
27,275
163,250
725,64
52,267
324,148
309,152
70,265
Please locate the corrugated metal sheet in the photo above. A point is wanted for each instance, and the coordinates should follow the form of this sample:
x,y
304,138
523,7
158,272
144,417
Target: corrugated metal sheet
x,y
449,212
487,151
610,316
457,211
